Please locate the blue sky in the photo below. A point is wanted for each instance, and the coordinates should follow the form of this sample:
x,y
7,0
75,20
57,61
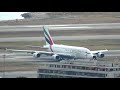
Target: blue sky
x,y
10,15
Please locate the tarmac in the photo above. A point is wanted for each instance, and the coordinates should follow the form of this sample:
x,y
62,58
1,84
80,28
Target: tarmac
x,y
60,27
19,74
17,39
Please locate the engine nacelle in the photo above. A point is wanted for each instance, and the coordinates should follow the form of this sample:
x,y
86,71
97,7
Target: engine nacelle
x,y
36,55
56,57
100,55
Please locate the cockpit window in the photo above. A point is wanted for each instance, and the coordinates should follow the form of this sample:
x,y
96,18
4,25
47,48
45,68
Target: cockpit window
x,y
88,53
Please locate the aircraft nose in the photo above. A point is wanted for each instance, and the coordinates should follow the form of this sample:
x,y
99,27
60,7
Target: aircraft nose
x,y
89,56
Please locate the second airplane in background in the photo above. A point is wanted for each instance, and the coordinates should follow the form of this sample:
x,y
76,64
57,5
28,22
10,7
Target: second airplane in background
x,y
63,52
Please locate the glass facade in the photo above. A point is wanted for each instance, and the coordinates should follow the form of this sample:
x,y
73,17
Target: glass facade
x,y
85,67
57,70
78,73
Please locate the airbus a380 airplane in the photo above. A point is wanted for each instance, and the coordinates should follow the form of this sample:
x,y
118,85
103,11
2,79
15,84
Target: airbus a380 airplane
x,y
63,52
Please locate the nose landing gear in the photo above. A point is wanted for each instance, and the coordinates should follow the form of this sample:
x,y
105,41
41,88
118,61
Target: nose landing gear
x,y
94,58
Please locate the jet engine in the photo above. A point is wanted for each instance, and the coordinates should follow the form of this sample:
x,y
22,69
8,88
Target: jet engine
x,y
100,55
36,55
56,57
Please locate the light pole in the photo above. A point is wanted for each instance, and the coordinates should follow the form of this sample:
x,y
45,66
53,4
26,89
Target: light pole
x,y
4,56
4,65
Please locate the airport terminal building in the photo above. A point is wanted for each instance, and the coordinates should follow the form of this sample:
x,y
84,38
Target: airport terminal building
x,y
83,69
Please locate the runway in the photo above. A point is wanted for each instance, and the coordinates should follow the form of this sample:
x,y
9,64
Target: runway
x,y
15,39
60,27
27,74
25,58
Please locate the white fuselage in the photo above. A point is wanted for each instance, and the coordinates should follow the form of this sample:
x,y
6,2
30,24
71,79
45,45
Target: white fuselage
x,y
77,52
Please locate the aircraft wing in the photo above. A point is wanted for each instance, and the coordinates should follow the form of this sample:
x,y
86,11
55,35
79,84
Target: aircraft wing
x,y
14,50
36,46
42,52
30,51
99,51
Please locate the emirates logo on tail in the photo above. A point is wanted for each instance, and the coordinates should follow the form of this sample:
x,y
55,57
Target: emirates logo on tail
x,y
47,36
